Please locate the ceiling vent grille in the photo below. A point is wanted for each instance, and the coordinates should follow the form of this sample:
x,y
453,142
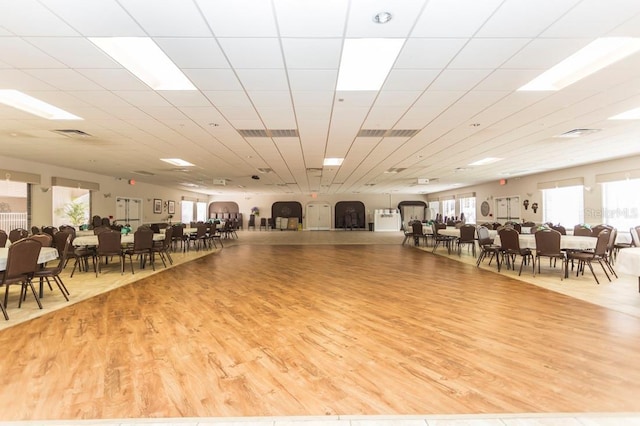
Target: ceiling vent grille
x,y
268,133
396,170
387,133
264,170
143,173
72,133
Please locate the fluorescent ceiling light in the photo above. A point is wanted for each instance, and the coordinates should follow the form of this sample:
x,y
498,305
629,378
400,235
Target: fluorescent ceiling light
x,y
143,57
593,57
333,161
633,114
177,162
485,161
366,62
34,106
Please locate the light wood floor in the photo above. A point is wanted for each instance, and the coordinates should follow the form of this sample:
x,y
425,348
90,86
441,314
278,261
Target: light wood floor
x,y
326,329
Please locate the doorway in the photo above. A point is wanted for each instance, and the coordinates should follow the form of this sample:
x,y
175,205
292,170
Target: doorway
x,y
318,216
129,211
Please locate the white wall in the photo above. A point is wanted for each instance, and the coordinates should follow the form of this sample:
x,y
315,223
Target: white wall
x,y
103,202
527,188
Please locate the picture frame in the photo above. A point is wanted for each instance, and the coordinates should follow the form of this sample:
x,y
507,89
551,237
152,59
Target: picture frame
x,y
171,207
157,205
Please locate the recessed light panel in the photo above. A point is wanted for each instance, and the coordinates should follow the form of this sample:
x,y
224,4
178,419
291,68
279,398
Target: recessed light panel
x,y
366,62
24,102
332,161
177,162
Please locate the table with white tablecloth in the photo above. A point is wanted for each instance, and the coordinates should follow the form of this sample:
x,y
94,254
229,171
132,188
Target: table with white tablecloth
x,y
47,254
628,262
92,240
567,242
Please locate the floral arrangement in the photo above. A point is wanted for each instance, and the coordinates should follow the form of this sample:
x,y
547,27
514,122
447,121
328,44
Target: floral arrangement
x,y
255,211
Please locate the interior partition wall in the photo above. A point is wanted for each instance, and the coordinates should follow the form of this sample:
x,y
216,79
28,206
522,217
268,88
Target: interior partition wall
x,y
287,209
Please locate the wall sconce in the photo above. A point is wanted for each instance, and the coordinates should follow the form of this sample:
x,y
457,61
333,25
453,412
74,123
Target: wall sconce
x,y
107,195
44,189
525,203
534,207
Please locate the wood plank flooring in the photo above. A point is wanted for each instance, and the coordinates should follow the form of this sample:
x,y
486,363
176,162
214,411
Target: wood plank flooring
x,y
292,330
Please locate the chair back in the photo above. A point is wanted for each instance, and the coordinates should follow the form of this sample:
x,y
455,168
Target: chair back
x,y
201,230
109,243
467,233
3,238
561,229
416,227
46,240
595,231
178,231
96,221
252,220
143,239
155,228
22,259
35,230
635,236
582,231
168,237
62,242
49,230
68,229
483,235
17,234
100,229
509,239
548,242
603,243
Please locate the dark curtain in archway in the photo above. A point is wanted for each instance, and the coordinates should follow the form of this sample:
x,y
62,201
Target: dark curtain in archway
x,y
355,209
287,209
409,203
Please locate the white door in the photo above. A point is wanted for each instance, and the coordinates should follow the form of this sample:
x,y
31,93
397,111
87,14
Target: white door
x,y
411,213
508,209
318,216
129,211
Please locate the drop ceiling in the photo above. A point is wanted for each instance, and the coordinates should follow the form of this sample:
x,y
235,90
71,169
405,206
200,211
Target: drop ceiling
x,y
267,105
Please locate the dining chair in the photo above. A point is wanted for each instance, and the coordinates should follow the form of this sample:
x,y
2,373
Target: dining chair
x,y
263,223
252,222
597,255
199,239
561,229
18,234
582,230
45,239
3,238
62,242
510,243
109,245
439,239
22,262
142,246
418,233
548,245
487,247
163,247
468,238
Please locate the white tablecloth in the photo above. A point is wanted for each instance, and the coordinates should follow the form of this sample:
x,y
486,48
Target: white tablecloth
x,y
47,254
628,261
92,240
566,242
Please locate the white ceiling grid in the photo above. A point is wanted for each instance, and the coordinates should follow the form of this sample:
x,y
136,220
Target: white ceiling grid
x,y
273,65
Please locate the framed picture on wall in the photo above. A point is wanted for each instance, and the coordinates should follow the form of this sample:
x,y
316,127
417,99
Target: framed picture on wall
x,y
157,205
171,207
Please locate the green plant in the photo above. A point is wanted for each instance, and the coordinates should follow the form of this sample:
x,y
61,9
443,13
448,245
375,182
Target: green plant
x,y
75,212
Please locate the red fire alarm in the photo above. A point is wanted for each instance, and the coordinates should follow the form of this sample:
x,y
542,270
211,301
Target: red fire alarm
x,y
503,181
132,181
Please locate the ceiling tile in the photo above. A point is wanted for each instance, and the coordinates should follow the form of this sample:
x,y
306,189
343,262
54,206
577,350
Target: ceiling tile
x,y
213,79
263,79
101,18
362,12
313,80
443,18
32,19
168,18
20,54
64,79
593,18
311,19
424,53
488,53
252,53
239,18
193,52
310,53
114,79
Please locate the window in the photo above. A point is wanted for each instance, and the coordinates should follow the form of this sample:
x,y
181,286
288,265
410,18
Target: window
x,y
187,211
13,205
449,209
619,209
201,212
468,207
564,206
71,206
434,209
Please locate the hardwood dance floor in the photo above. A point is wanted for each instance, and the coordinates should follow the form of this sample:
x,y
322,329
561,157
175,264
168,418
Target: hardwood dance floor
x,y
289,330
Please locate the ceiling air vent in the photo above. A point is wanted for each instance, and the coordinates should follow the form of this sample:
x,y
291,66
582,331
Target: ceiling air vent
x,y
396,170
268,133
72,133
576,133
143,173
264,170
387,133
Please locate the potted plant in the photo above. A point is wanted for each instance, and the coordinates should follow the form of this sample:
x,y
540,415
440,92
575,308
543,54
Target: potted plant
x,y
75,212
